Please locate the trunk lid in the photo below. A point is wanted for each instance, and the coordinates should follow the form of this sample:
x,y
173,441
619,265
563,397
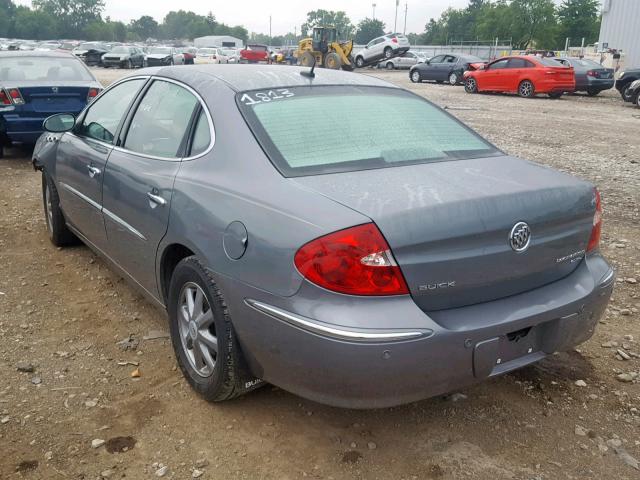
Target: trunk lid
x,y
54,98
449,223
562,74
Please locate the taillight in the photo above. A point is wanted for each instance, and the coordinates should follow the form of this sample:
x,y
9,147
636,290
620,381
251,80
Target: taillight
x,y
355,261
93,93
594,240
551,71
16,96
394,40
4,98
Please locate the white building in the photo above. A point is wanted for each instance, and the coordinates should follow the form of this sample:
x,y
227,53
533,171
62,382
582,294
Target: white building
x,y
620,29
217,41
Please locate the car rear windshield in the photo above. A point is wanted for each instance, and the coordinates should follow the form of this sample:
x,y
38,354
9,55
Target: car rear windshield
x,y
329,129
35,69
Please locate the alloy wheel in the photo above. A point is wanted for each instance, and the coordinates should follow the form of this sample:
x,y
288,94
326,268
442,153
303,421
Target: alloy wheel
x,y
471,86
415,77
526,89
453,78
49,207
197,329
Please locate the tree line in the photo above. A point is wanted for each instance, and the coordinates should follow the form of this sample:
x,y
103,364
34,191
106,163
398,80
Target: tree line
x,y
527,23
83,19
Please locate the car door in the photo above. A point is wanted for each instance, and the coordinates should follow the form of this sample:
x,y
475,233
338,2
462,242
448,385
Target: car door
x,y
138,180
430,70
492,77
82,155
516,71
449,66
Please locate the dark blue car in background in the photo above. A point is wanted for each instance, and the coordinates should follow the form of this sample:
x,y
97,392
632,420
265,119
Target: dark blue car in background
x,y
36,85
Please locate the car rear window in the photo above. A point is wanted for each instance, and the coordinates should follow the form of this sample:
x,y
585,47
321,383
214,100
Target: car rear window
x,y
319,130
35,69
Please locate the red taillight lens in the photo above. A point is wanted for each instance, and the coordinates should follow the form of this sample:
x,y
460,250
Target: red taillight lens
x,y
93,93
4,98
394,40
16,96
355,261
594,240
551,72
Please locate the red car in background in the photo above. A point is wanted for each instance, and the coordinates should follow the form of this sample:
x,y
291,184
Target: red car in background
x,y
524,75
254,54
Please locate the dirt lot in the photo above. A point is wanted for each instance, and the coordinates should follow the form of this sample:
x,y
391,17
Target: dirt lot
x,y
64,312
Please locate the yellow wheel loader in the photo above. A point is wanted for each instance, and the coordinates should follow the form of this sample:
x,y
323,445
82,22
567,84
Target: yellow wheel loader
x,y
325,48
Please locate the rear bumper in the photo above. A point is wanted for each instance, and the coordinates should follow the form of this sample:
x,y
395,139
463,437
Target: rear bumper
x,y
316,349
599,84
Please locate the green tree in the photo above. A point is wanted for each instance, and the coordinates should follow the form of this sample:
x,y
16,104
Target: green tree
x,y
34,24
338,19
144,27
7,18
533,23
368,29
72,16
579,19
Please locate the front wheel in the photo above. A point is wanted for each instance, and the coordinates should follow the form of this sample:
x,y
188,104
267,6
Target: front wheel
x,y
526,89
128,65
390,66
332,61
637,102
415,76
59,233
627,96
388,52
359,62
471,85
203,338
453,78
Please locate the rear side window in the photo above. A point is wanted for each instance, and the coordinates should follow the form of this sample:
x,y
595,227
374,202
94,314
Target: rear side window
x,y
161,120
519,63
354,128
201,135
105,114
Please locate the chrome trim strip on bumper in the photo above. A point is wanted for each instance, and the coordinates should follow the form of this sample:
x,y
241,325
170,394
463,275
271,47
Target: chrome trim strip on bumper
x,y
335,332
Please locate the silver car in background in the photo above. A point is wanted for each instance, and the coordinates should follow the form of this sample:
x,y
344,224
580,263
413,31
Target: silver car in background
x,y
386,46
365,271
406,60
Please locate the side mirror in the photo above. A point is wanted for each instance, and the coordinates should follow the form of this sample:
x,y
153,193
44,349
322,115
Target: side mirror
x,y
59,123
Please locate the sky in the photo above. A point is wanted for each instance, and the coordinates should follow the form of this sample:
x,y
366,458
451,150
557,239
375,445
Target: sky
x,y
254,14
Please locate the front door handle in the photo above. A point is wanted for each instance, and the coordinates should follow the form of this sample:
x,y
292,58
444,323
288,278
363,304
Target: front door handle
x,y
157,199
93,171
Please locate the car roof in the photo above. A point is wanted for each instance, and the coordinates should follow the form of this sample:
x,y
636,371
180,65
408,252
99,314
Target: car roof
x,y
256,77
35,53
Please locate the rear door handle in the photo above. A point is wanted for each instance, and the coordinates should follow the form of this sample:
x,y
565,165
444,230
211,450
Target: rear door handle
x,y
93,171
157,199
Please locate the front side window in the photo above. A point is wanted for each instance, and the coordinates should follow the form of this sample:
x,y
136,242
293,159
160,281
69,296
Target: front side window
x,y
104,115
161,120
416,131
437,59
499,65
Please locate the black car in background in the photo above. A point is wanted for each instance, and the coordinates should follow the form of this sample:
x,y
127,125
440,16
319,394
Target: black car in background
x,y
124,56
447,67
632,93
591,77
625,79
91,52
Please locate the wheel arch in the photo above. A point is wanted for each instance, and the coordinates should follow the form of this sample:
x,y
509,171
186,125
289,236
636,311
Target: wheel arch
x,y
170,257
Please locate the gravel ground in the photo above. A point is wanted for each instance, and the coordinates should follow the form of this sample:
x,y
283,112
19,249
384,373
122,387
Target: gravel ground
x,y
70,407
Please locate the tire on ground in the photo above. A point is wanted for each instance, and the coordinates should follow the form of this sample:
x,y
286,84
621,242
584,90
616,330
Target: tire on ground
x,y
59,233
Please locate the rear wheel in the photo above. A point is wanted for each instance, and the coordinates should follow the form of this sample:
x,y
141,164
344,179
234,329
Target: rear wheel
x,y
526,89
359,62
592,93
59,233
203,338
471,86
307,59
388,52
129,65
627,96
453,78
390,66
332,61
415,76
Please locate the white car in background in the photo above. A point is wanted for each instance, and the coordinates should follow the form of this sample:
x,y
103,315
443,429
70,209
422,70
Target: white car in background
x,y
406,60
211,55
162,56
384,47
232,54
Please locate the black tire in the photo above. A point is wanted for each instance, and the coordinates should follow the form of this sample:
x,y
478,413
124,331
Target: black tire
x,y
526,89
414,76
225,381
454,78
59,233
359,62
332,61
388,52
627,97
471,85
390,66
637,101
592,93
555,95
306,59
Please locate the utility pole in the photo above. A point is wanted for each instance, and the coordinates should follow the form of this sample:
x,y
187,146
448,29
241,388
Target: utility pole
x,y
270,37
406,7
395,23
374,10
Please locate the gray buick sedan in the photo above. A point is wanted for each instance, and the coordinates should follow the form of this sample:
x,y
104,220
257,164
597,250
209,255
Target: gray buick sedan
x,y
334,235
